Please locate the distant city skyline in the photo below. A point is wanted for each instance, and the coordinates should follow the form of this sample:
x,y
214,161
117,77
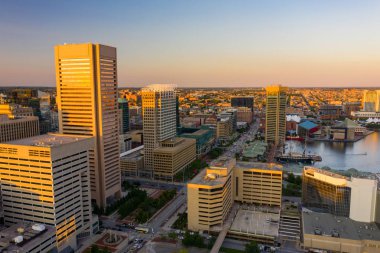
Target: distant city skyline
x,y
199,43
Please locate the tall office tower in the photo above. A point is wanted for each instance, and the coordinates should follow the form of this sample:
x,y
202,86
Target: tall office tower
x,y
45,179
178,122
159,118
371,101
86,76
275,128
242,102
124,107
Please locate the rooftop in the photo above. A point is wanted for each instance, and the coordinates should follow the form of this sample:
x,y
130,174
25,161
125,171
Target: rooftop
x,y
47,140
198,132
256,222
209,179
326,224
308,125
30,237
258,165
174,145
223,162
324,172
159,87
347,123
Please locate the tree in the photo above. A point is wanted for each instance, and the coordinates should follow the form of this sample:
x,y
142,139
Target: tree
x,y
252,247
291,178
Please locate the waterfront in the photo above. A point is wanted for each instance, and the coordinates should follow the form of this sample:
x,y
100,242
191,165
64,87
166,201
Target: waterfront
x,y
363,155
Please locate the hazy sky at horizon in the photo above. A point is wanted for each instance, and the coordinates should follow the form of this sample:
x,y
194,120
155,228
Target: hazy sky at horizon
x,y
199,42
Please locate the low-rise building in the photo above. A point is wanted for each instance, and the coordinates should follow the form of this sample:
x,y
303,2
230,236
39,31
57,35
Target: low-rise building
x,y
18,128
172,157
16,111
330,112
365,115
204,138
224,129
329,192
244,114
327,232
212,192
131,162
346,130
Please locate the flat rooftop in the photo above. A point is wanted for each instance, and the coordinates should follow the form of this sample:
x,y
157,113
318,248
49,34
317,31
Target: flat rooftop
x,y
223,162
325,223
31,238
178,145
324,172
47,140
201,179
198,132
256,222
258,165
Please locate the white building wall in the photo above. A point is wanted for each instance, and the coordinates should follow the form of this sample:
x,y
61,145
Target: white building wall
x,y
363,199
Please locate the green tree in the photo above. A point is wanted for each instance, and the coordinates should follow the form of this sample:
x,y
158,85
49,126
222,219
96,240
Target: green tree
x,y
252,247
291,178
95,249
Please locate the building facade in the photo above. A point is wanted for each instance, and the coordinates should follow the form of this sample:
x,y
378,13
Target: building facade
x,y
211,193
275,123
329,192
45,179
243,102
124,115
159,119
371,101
86,76
244,114
330,112
19,128
172,157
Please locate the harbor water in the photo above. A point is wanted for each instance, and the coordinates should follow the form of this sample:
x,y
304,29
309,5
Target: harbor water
x,y
363,155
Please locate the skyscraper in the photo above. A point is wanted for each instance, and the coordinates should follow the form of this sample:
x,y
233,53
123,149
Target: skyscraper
x,y
86,76
159,118
124,107
371,101
275,128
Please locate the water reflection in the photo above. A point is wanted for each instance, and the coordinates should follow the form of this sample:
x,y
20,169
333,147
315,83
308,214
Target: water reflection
x,y
362,155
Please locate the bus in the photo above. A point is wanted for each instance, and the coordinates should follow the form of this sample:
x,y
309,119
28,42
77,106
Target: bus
x,y
141,229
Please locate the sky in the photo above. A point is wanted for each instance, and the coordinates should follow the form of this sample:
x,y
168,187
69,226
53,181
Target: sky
x,y
199,43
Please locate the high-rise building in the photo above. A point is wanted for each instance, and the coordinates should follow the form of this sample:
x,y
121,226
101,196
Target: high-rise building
x,y
159,118
371,101
86,76
45,179
275,123
124,108
242,102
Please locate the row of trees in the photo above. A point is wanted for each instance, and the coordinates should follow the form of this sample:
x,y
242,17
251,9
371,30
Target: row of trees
x,y
293,186
134,198
149,206
181,222
196,240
